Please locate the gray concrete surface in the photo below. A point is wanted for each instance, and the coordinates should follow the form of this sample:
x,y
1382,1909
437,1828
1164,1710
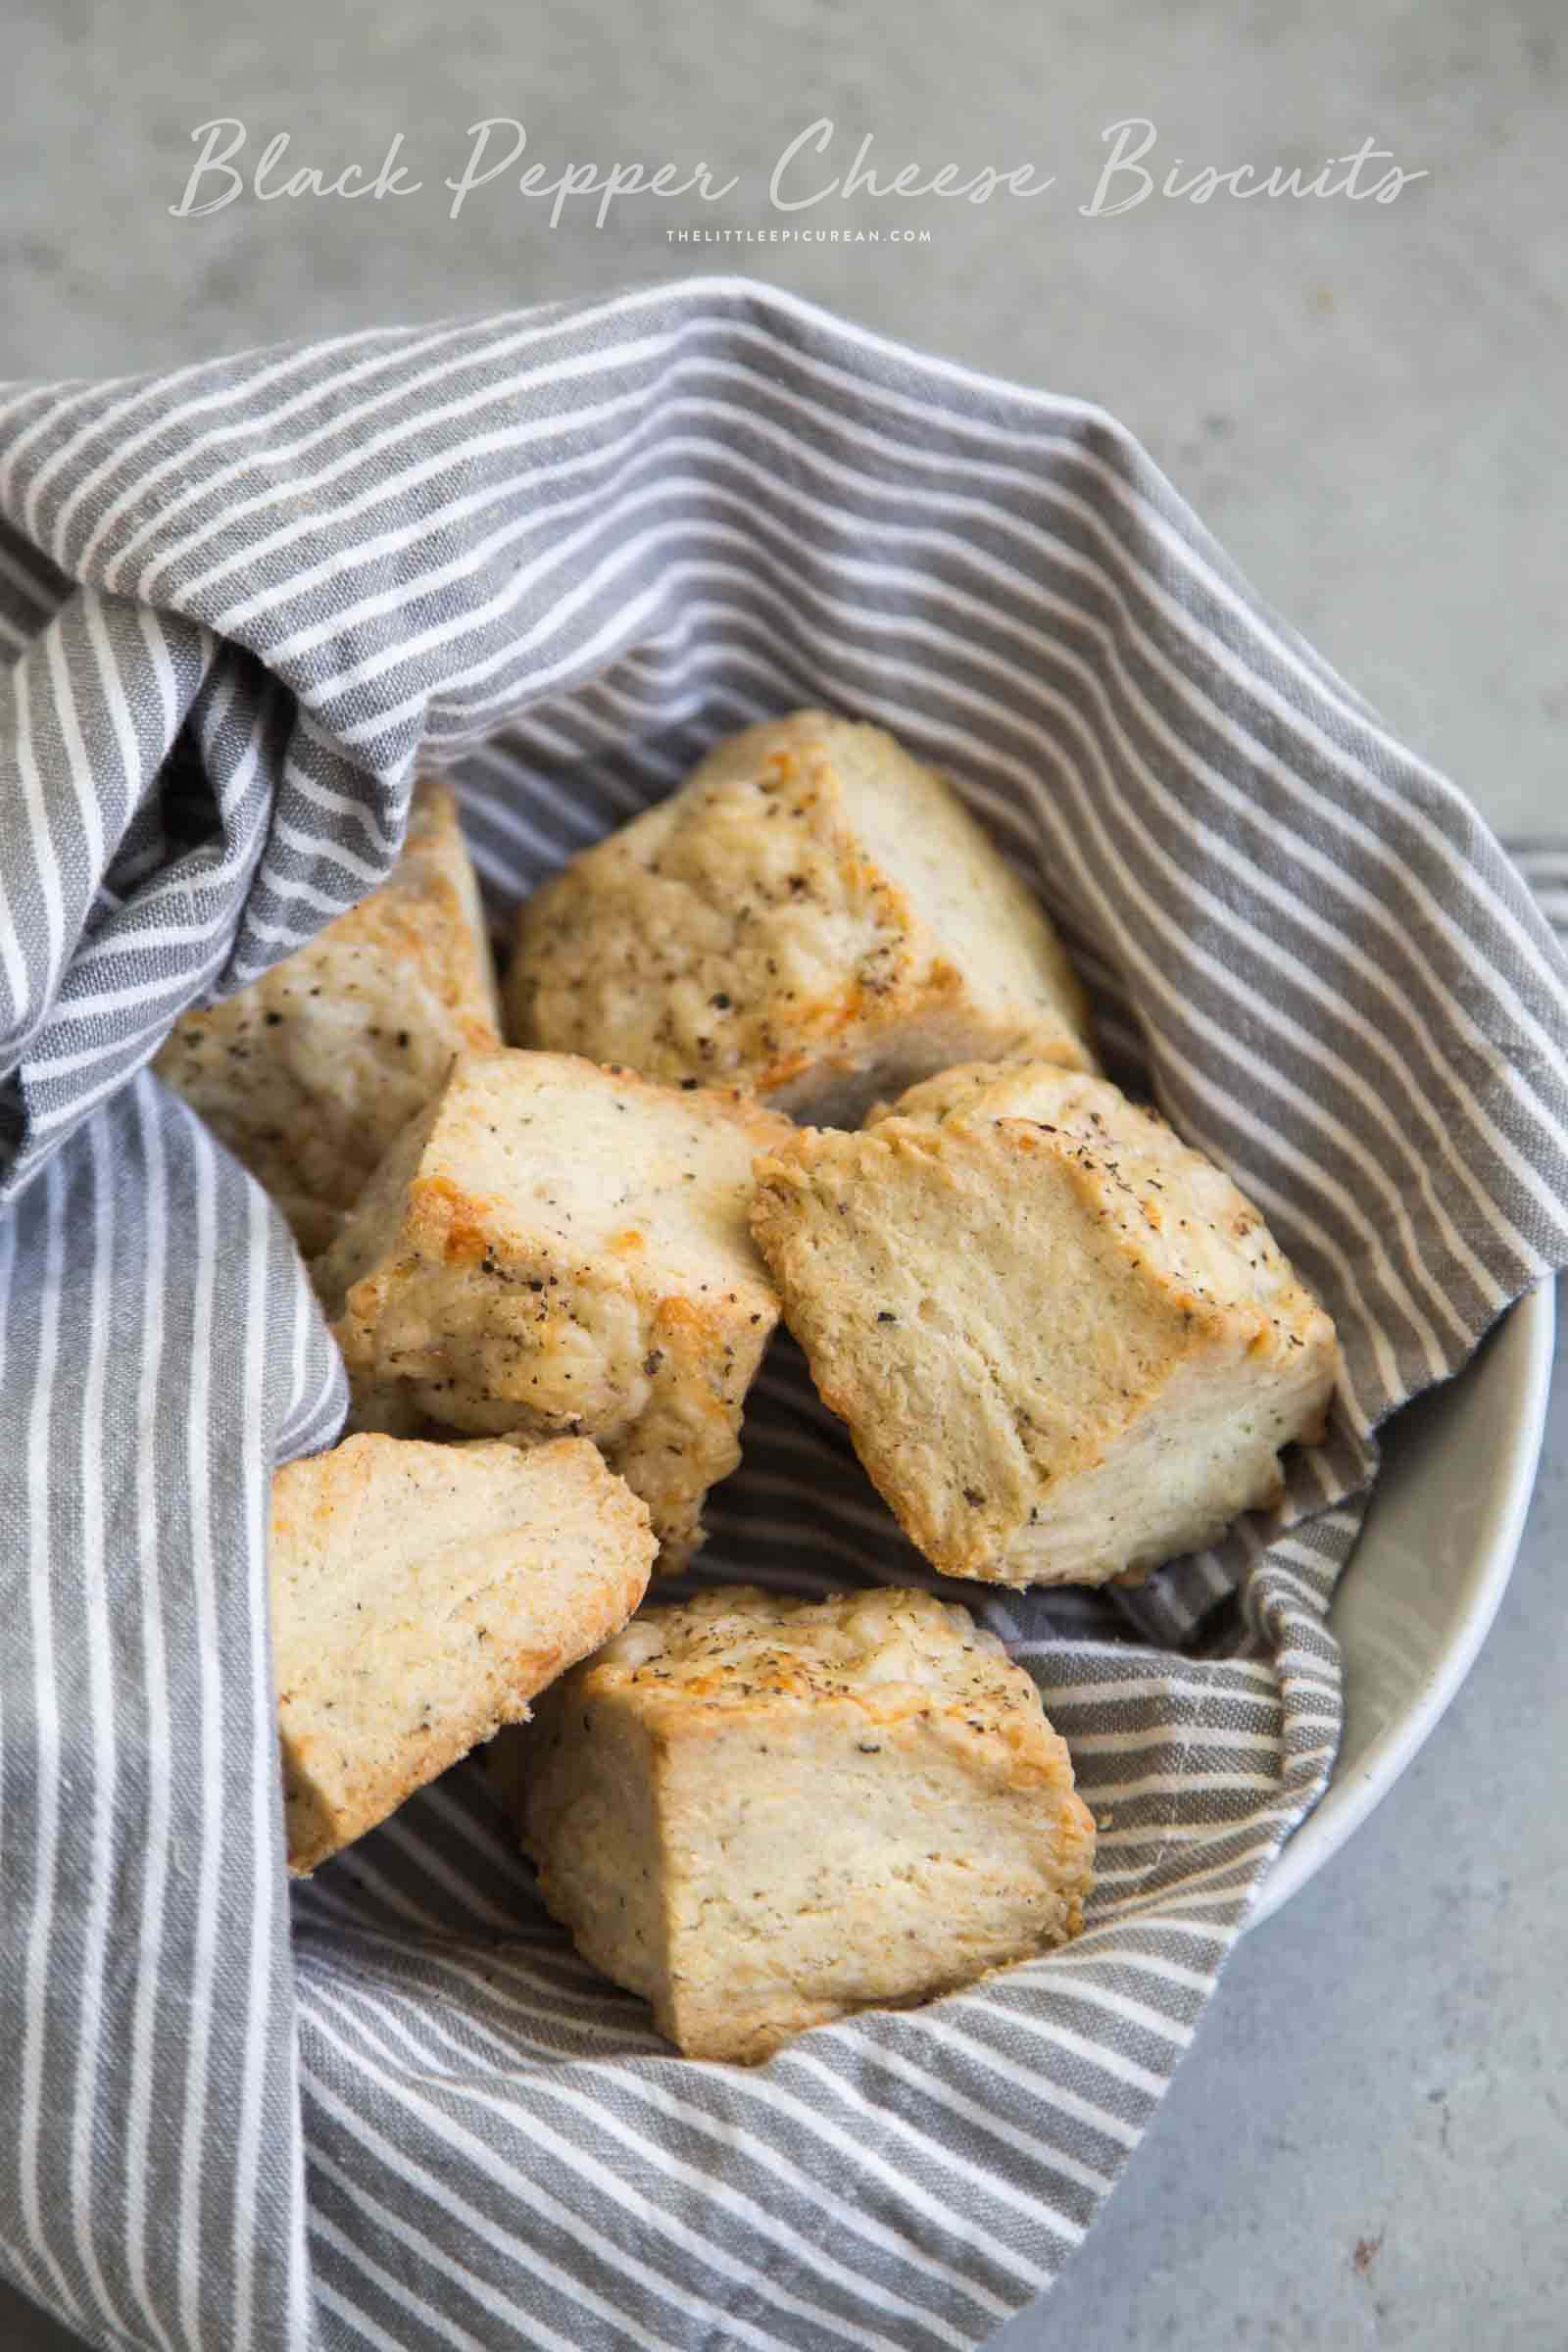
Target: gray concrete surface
x,y
1369,2144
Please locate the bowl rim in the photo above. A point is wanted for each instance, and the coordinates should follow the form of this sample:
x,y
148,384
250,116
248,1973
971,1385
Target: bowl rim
x,y
1349,1797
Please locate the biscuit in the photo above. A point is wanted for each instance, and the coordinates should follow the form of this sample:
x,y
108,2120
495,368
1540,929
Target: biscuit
x,y
814,914
308,1074
763,1814
421,1596
554,1248
1066,1346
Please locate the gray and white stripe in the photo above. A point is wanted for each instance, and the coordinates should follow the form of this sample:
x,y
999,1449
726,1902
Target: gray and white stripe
x,y
558,553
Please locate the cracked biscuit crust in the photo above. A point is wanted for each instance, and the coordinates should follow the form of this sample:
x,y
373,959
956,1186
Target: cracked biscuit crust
x,y
557,1247
764,1813
423,1596
814,914
309,1074
1066,1346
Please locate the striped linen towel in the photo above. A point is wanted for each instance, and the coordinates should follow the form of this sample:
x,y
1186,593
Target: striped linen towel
x,y
558,552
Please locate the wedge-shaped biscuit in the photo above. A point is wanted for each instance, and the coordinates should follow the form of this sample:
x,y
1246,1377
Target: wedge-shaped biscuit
x,y
764,1814
308,1074
1065,1346
814,914
421,1596
553,1247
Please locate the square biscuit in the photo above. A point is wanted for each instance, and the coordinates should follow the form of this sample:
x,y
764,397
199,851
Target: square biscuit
x,y
423,1596
309,1073
553,1248
814,914
763,1814
1067,1348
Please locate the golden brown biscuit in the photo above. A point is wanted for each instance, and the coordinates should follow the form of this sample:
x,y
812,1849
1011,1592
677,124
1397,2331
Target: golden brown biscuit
x,y
764,1814
1065,1346
554,1248
308,1074
421,1596
813,915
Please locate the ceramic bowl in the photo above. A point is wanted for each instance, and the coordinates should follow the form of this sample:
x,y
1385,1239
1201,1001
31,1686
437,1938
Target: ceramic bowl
x,y
1425,1580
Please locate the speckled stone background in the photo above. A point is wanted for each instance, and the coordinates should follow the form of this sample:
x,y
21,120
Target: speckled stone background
x,y
1369,2143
